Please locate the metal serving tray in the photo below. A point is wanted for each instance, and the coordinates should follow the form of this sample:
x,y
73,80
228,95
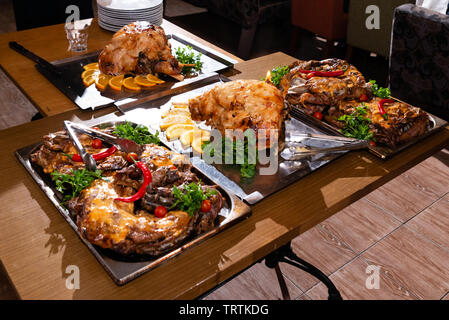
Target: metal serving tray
x,y
123,269
251,190
71,84
381,151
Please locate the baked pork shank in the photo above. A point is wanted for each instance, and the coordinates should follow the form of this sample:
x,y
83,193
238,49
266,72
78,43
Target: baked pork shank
x,y
400,123
131,228
139,48
242,104
318,92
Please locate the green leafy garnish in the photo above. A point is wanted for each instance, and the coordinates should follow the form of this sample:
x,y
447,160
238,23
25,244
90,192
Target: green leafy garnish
x,y
138,134
248,168
190,197
187,56
379,91
357,125
71,185
277,73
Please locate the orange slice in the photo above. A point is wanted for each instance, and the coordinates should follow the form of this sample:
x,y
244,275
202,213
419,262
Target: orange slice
x,y
153,78
116,82
89,72
130,84
143,81
90,80
102,81
93,65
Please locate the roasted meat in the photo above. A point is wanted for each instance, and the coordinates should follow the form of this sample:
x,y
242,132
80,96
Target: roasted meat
x,y
242,104
130,228
317,93
139,48
400,123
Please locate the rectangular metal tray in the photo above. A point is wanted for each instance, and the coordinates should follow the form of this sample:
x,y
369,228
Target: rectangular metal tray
x,y
251,190
122,269
71,84
381,151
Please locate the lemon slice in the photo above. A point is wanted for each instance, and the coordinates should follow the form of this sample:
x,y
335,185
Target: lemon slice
x,y
174,112
153,78
197,143
130,84
116,82
175,130
87,81
189,136
93,65
175,119
88,73
144,82
102,81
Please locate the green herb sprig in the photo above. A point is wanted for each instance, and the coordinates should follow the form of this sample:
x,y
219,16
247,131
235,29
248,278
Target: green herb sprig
x,y
187,56
71,185
380,91
190,197
357,125
277,73
138,134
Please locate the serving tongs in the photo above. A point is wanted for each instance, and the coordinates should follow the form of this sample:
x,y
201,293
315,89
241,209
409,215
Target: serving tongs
x,y
124,145
297,149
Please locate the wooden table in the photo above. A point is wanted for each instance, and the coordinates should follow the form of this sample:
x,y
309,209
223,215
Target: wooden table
x,y
37,245
51,44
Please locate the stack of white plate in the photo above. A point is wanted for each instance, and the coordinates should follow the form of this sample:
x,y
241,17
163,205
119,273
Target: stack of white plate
x,y
114,14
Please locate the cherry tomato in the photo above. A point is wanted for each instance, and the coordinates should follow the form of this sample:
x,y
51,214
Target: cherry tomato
x,y
363,98
318,115
372,143
131,156
160,211
97,144
205,206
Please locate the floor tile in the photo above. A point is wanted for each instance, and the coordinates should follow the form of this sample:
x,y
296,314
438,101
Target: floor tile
x,y
256,283
434,222
412,261
432,174
446,297
402,197
351,282
322,250
360,225
303,297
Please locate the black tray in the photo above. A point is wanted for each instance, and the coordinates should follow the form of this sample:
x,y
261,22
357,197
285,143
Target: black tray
x,y
71,84
124,269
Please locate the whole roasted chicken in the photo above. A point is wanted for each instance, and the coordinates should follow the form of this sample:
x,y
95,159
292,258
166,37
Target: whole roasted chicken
x,y
242,104
139,48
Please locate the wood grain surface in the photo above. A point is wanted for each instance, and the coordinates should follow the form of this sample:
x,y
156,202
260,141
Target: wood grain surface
x,y
51,44
37,245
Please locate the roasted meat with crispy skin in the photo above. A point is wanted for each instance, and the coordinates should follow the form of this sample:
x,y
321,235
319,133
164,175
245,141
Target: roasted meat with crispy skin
x,y
400,124
317,93
242,104
139,48
130,228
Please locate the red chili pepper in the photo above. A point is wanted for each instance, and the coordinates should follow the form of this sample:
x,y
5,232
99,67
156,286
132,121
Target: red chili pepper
x,y
146,181
381,105
98,156
312,73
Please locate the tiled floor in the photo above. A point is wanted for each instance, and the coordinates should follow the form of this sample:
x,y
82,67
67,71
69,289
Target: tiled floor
x,y
401,227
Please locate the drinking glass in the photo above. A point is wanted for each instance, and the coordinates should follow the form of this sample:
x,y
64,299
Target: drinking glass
x,y
77,35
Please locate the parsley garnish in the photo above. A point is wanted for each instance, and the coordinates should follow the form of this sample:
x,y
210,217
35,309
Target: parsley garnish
x,y
189,197
187,56
379,91
138,134
71,185
248,168
277,73
356,124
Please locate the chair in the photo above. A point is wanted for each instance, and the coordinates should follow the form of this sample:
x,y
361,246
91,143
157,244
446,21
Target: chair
x,y
249,14
419,59
325,18
371,40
